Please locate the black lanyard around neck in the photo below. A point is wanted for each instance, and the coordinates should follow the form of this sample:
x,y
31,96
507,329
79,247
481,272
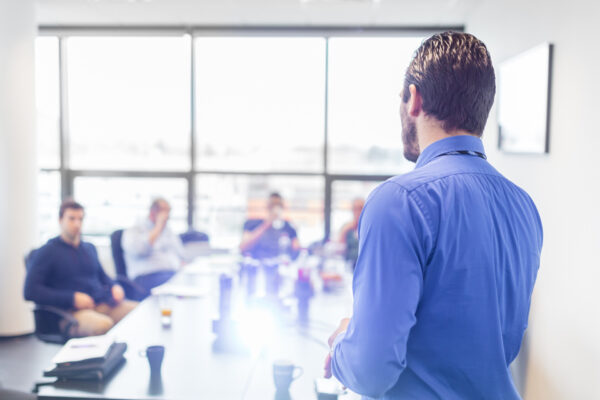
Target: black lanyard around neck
x,y
464,153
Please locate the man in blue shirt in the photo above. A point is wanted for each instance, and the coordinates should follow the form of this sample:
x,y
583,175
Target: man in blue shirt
x,y
66,273
272,236
448,253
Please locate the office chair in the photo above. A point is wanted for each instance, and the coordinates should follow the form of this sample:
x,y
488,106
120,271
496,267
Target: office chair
x,y
193,236
48,319
195,244
133,291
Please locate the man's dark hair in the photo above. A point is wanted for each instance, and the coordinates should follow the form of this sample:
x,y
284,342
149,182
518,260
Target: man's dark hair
x,y
68,204
275,195
453,72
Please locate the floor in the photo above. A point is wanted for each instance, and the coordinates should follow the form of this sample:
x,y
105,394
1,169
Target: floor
x,y
22,361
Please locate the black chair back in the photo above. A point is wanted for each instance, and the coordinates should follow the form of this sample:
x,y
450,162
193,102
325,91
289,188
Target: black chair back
x,y
117,252
133,291
193,236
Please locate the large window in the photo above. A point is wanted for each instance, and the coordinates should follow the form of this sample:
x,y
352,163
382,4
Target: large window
x,y
344,193
47,81
47,102
129,102
113,203
216,123
48,202
365,81
260,104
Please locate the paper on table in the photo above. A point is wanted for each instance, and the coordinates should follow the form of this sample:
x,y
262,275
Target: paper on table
x,y
210,267
81,349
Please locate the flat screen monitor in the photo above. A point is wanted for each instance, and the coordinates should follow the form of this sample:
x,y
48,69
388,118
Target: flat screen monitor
x,y
524,84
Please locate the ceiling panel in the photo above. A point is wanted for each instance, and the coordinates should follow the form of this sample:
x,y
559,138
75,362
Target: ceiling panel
x,y
254,12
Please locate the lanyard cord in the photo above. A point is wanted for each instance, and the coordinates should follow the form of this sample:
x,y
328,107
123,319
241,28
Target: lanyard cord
x,y
464,152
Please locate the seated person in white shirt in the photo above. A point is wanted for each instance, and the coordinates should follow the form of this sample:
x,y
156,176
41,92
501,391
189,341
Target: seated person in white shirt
x,y
153,253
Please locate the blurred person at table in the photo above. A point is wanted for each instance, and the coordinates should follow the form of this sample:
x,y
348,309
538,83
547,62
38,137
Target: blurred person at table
x,y
449,252
153,253
66,273
271,236
349,233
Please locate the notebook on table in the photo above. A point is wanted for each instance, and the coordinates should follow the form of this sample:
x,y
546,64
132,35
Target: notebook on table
x,y
91,369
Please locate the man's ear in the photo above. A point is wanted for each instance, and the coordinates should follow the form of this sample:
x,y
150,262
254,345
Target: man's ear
x,y
415,102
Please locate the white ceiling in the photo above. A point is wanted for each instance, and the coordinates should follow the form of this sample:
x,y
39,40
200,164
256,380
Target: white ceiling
x,y
255,12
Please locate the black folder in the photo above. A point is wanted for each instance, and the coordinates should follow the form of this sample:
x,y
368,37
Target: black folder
x,y
95,369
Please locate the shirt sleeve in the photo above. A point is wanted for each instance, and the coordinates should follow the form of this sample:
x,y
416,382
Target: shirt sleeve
x,y
136,242
394,241
291,231
251,224
36,290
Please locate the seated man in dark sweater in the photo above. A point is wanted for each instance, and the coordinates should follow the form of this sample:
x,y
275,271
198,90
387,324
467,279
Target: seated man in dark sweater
x,y
66,273
272,236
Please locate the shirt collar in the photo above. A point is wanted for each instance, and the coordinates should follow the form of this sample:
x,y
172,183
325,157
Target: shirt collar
x,y
452,143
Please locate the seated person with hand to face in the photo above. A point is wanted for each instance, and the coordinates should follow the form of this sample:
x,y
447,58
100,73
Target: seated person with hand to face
x,y
269,237
349,232
66,273
153,253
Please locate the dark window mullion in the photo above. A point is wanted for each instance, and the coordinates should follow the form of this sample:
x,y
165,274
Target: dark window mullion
x,y
66,182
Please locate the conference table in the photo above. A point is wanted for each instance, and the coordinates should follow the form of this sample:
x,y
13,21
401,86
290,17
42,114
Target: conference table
x,y
191,368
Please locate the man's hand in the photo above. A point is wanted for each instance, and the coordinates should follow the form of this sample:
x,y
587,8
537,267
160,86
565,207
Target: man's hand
x,y
268,221
161,219
82,301
341,328
159,225
117,293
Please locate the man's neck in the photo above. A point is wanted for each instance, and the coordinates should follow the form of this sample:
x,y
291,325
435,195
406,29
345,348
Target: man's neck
x,y
72,241
431,131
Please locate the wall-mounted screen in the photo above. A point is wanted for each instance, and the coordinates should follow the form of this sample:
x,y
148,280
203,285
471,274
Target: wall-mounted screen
x,y
524,101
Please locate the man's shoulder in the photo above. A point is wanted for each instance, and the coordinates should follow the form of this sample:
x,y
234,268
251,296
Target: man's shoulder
x,y
444,169
407,182
45,252
252,223
49,247
88,246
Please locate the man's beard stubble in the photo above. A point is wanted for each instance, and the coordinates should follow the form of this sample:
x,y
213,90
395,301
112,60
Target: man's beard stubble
x,y
409,136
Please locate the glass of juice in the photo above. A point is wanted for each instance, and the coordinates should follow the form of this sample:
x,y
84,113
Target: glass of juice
x,y
166,309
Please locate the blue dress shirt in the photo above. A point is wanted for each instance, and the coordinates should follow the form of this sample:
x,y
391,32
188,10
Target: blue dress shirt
x,y
269,244
144,258
448,256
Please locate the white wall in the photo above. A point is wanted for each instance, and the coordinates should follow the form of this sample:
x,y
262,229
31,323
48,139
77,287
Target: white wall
x,y
17,160
564,360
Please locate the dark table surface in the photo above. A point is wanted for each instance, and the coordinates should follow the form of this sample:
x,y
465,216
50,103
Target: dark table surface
x,y
192,370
